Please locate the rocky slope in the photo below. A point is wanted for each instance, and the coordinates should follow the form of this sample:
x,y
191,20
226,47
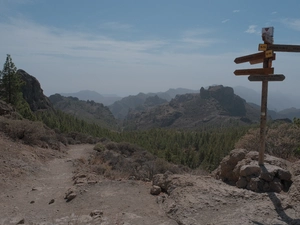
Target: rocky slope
x,y
121,108
87,110
215,106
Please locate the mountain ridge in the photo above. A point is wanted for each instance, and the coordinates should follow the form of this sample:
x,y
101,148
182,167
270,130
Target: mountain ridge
x,y
211,107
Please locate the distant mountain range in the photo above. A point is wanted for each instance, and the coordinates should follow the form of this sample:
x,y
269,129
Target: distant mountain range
x,y
89,111
279,105
111,98
93,96
216,106
176,108
276,100
121,108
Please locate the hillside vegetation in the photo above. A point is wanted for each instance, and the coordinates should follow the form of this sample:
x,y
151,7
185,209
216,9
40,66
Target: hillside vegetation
x,y
203,147
89,111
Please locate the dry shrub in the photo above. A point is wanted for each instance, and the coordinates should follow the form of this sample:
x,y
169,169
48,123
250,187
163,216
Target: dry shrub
x,y
82,160
80,138
111,145
29,132
128,148
282,141
128,160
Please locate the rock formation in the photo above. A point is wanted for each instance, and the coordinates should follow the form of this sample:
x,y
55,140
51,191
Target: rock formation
x,y
33,93
241,168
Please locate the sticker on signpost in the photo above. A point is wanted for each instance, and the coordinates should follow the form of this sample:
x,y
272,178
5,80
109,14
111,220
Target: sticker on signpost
x,y
268,30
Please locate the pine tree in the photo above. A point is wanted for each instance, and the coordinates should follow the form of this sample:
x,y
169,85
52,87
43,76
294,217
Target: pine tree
x,y
10,83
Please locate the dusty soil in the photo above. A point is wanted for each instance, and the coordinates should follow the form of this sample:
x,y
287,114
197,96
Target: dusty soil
x,y
34,182
121,202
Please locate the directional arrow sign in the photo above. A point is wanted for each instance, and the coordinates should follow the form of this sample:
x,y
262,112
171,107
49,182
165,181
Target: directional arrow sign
x,y
262,71
284,48
274,77
248,58
261,60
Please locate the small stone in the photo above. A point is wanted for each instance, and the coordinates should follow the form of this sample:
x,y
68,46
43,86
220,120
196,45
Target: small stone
x,y
51,201
155,190
284,174
96,213
79,176
70,194
131,178
275,185
32,202
92,182
242,182
80,180
248,170
22,221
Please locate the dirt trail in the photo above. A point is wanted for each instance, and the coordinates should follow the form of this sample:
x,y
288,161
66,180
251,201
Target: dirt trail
x,y
193,200
122,202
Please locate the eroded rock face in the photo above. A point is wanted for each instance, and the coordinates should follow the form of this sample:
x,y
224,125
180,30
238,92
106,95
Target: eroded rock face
x,y
241,169
33,93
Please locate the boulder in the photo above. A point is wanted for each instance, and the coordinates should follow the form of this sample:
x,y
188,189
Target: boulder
x,y
268,172
250,170
242,182
162,181
228,164
275,185
284,174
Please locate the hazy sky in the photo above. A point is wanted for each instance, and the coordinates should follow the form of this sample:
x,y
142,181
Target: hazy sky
x,y
130,46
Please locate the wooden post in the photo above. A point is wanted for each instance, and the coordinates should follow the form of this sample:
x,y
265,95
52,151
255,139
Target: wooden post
x,y
263,115
264,74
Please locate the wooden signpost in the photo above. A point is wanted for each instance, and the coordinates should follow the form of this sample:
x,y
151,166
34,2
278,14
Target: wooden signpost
x,y
264,75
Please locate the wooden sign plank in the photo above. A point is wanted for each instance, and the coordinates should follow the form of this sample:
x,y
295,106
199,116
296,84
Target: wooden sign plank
x,y
274,77
262,60
262,71
284,48
248,58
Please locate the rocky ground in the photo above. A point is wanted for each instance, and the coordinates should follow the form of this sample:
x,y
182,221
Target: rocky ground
x,y
42,186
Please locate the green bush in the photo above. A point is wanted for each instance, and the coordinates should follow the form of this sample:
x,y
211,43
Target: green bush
x,y
99,147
